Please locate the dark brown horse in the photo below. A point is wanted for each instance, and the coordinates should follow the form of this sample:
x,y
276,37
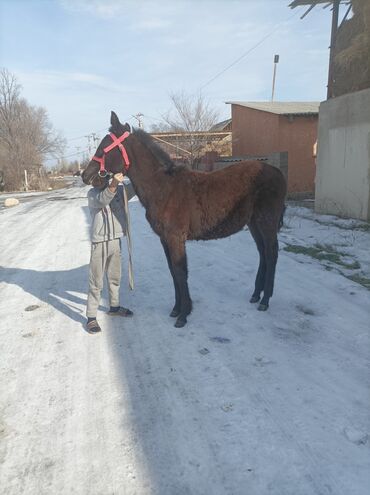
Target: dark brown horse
x,y
183,205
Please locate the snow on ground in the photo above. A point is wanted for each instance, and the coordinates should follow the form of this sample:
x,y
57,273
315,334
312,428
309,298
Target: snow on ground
x,y
238,402
339,244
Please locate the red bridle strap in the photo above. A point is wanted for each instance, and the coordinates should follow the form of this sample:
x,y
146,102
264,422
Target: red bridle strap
x,y
101,162
118,142
115,142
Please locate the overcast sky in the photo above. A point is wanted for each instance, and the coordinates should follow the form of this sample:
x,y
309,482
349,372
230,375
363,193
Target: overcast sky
x,y
82,58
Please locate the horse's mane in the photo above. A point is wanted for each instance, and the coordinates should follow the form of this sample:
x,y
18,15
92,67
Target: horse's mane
x,y
163,158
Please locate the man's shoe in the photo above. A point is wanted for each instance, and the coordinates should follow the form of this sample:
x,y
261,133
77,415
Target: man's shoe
x,y
120,311
92,326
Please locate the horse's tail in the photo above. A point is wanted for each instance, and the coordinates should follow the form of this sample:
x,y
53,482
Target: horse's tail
x,y
281,220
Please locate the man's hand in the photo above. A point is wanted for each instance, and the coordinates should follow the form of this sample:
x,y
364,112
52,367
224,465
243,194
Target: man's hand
x,y
117,179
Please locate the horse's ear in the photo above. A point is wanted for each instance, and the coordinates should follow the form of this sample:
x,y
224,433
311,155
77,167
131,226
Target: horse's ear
x,y
114,121
127,127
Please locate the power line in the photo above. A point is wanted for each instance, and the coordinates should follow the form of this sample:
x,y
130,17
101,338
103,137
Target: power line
x,y
152,118
248,51
84,136
92,141
92,133
74,154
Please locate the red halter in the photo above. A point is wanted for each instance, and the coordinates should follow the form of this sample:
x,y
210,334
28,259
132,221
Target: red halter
x,y
115,142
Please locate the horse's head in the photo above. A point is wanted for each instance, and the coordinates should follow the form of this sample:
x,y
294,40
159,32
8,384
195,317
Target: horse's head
x,y
110,156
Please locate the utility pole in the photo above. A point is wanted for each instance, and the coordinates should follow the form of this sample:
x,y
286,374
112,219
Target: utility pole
x,y
89,149
333,40
276,61
25,181
138,118
78,157
95,139
92,142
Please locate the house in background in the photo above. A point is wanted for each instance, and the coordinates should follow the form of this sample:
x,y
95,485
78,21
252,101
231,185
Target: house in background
x,y
197,149
215,150
262,128
225,125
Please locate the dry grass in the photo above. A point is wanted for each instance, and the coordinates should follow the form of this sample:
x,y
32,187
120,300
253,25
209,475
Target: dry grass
x,y
352,57
323,253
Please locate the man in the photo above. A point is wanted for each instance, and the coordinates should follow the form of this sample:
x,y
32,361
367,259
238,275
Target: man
x,y
108,226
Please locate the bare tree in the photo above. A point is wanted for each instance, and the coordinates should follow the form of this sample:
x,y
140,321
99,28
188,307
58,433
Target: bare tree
x,y
190,113
161,127
189,116
9,98
26,135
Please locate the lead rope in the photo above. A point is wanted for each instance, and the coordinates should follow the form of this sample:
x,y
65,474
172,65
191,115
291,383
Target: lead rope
x,y
128,238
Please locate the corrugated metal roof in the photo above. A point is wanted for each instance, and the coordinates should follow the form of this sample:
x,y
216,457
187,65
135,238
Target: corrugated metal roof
x,y
282,107
298,3
220,126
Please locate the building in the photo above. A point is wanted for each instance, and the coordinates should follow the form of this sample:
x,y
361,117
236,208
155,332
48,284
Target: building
x,y
225,125
262,128
343,172
343,157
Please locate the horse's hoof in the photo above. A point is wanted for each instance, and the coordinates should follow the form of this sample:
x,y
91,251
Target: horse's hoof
x,y
254,299
180,323
175,313
262,307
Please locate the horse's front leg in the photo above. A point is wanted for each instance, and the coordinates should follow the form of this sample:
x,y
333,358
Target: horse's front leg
x,y
176,309
177,256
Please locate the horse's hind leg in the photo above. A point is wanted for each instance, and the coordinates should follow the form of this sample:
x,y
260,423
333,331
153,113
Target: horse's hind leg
x,y
261,273
176,309
271,247
177,254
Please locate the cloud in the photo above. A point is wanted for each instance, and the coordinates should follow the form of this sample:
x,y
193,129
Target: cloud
x,y
156,48
143,16
100,8
52,79
151,24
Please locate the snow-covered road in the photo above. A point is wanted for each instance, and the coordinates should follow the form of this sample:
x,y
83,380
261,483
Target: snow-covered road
x,y
238,402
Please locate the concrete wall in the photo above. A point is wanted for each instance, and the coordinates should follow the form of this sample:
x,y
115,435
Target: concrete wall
x,y
260,133
343,159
